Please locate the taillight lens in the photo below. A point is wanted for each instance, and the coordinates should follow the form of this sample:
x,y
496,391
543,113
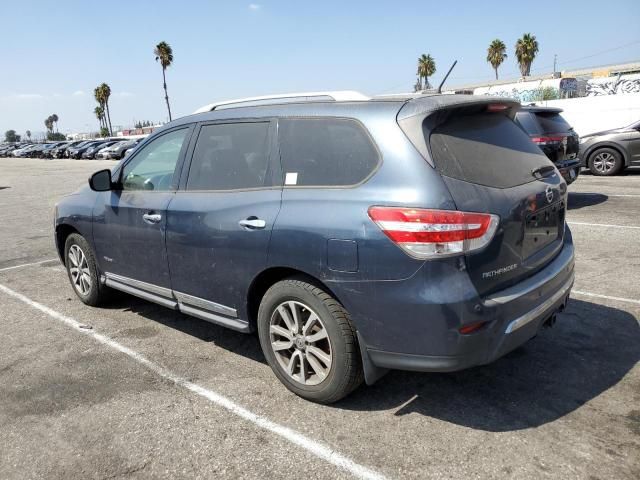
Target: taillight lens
x,y
547,140
428,234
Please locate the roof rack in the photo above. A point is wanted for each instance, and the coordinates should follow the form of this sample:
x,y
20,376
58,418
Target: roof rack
x,y
336,96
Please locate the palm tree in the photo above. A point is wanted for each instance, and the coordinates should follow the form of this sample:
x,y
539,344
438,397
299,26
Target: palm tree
x,y
54,119
426,68
526,50
496,54
99,111
105,93
28,134
48,122
164,55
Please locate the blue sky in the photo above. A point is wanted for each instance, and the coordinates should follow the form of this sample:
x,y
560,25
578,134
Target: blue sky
x,y
54,54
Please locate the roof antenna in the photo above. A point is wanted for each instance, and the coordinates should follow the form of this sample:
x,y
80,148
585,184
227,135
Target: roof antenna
x,y
446,76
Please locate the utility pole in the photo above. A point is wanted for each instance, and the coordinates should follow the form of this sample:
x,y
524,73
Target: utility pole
x,y
555,58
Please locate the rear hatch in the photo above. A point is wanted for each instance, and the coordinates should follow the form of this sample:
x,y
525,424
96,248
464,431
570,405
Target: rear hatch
x,y
491,166
552,133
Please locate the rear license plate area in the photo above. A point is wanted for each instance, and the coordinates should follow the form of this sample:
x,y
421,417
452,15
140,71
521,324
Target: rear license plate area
x,y
542,228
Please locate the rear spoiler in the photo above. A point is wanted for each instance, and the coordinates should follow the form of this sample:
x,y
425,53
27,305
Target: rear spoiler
x,y
431,110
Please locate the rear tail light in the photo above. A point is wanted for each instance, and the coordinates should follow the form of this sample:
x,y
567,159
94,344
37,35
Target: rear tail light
x,y
547,140
425,234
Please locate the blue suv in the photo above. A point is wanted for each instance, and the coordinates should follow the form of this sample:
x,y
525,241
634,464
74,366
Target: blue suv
x,y
354,235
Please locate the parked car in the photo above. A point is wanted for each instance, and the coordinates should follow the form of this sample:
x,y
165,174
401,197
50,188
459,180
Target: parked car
x,y
60,152
25,151
611,151
353,235
48,153
90,152
557,139
6,150
46,150
117,151
78,150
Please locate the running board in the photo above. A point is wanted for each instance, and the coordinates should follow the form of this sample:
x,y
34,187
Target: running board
x,y
232,323
165,302
196,307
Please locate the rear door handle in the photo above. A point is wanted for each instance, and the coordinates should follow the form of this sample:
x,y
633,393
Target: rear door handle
x,y
253,223
152,218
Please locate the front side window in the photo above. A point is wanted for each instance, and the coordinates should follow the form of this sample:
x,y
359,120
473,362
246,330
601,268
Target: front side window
x,y
325,152
231,156
154,166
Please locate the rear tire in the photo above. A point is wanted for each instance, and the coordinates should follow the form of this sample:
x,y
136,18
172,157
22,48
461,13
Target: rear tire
x,y
83,271
605,162
309,341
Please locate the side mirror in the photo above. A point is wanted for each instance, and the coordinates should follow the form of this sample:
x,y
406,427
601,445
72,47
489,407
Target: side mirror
x,y
101,181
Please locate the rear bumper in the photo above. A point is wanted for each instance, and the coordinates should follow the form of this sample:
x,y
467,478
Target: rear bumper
x,y
433,344
570,170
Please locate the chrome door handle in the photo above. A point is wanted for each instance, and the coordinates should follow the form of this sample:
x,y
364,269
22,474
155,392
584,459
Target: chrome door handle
x,y
152,218
253,223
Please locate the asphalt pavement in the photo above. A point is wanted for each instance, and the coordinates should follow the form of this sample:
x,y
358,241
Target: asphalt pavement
x,y
134,390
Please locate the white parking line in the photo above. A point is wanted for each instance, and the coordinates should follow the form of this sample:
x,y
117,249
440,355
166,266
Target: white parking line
x,y
318,449
607,194
27,264
606,297
604,225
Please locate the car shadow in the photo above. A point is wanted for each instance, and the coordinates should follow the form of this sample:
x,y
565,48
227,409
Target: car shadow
x,y
589,350
581,200
239,343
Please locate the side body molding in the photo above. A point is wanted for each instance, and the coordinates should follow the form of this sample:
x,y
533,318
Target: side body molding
x,y
188,304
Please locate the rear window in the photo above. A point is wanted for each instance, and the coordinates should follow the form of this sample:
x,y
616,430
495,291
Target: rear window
x,y
325,152
552,122
487,149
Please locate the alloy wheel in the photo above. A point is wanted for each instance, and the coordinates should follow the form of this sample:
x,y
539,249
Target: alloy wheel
x,y
79,270
604,162
300,343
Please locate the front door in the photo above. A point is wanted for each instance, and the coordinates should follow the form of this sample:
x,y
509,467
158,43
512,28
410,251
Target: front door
x,y
129,223
219,222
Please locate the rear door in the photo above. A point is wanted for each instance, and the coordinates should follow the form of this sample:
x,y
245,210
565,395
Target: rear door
x,y
490,165
219,223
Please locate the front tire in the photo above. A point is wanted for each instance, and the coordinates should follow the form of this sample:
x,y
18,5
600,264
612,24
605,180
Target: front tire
x,y
83,272
606,162
309,341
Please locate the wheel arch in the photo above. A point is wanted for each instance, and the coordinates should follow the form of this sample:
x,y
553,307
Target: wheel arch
x,y
612,145
270,276
62,232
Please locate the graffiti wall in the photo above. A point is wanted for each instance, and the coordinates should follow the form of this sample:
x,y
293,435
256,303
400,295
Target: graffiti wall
x,y
533,91
619,85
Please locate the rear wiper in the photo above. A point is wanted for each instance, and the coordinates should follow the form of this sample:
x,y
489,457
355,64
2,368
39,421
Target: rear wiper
x,y
542,170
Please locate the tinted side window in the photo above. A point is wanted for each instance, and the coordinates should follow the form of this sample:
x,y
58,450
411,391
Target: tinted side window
x,y
552,123
488,149
231,156
528,122
325,152
153,167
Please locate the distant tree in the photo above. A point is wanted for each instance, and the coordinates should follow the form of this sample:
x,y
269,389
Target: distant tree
x,y
104,132
164,55
54,118
56,137
99,112
526,50
102,93
426,68
10,136
496,54
48,122
28,134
